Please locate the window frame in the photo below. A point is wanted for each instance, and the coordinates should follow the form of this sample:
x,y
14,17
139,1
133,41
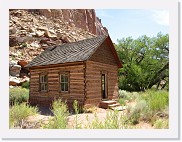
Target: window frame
x,y
68,82
45,82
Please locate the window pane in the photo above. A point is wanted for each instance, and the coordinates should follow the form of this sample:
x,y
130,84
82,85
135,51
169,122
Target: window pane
x,y
42,87
62,86
62,77
66,86
45,87
45,78
66,78
41,78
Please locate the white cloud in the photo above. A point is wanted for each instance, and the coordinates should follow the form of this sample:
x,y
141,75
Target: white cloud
x,y
161,17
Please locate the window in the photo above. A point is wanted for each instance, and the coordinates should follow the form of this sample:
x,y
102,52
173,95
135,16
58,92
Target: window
x,y
43,82
64,82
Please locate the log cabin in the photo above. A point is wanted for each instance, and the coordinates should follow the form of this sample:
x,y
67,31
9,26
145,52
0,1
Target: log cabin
x,y
86,71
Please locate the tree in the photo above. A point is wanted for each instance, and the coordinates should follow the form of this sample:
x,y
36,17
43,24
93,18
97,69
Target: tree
x,y
145,62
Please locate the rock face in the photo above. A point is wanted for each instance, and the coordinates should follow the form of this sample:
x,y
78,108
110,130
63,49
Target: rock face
x,y
81,18
33,30
14,69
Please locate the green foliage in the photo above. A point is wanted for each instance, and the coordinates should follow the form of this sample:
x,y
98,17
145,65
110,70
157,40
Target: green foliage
x,y
148,104
60,111
135,112
18,95
89,109
112,121
26,85
145,62
161,124
76,109
156,100
123,94
23,45
19,112
122,101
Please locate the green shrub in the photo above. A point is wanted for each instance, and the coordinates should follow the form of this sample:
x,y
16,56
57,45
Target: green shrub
x,y
156,100
122,101
18,95
148,104
89,108
60,111
19,112
77,110
136,111
161,124
123,94
134,95
26,85
113,120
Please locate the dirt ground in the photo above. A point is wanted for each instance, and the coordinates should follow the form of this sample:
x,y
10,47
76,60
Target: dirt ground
x,y
83,119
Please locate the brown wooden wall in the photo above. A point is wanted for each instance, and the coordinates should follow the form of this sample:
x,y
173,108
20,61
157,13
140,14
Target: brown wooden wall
x,y
46,98
93,81
104,55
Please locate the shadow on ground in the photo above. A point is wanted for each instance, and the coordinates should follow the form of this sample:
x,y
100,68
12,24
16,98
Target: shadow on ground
x,y
45,111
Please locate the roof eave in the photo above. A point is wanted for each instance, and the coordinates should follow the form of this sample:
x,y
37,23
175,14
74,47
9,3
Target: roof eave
x,y
109,41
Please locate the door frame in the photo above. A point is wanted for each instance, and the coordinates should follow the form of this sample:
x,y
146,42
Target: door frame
x,y
104,97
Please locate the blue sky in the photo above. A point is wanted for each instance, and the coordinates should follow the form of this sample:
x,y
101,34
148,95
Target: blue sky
x,y
122,23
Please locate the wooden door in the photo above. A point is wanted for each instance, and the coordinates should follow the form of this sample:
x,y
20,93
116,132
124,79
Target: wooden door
x,y
104,86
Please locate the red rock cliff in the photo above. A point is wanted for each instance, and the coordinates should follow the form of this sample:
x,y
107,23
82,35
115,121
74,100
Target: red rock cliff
x,y
82,18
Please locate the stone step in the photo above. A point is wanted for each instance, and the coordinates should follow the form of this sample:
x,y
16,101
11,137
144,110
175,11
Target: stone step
x,y
105,104
119,108
114,105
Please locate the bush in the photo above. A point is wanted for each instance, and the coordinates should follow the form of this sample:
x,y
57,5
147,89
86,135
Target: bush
x,y
156,100
18,95
60,111
149,103
123,94
26,85
136,111
122,101
161,124
19,112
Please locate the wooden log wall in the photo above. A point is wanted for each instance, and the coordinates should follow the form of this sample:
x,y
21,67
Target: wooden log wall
x,y
93,81
76,92
104,55
102,60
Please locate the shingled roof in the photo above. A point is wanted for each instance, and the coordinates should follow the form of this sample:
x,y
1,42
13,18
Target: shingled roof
x,y
68,52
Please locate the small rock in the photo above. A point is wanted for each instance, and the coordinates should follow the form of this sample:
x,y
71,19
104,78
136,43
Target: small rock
x,y
12,41
13,81
11,86
12,30
20,39
66,39
34,44
15,70
58,41
32,30
23,80
28,39
22,63
44,40
49,35
44,45
12,63
52,31
39,33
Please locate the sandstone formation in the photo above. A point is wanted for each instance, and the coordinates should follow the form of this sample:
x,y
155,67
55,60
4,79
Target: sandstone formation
x,y
32,31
